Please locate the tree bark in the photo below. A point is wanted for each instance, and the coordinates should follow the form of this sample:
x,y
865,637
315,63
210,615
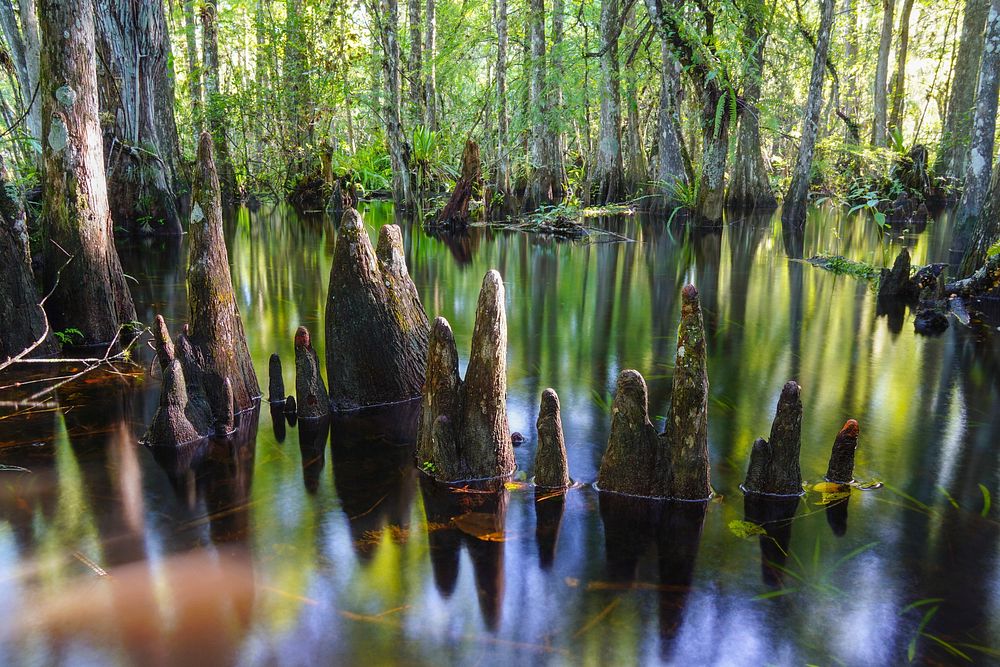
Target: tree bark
x,y
794,211
986,231
670,169
749,186
848,70
774,464
92,295
142,154
953,156
502,182
455,213
296,66
22,41
545,186
977,175
609,173
882,75
636,164
194,68
415,75
430,56
215,105
899,79
399,148
551,469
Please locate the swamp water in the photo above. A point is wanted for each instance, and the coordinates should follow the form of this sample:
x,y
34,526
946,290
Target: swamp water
x,y
310,544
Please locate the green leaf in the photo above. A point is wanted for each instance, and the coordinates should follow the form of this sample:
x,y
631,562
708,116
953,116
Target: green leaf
x,y
745,529
986,501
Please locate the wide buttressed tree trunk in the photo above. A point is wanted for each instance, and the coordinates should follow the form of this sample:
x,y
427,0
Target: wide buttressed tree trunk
x,y
215,110
91,294
977,174
952,159
216,329
22,316
882,75
399,148
794,212
749,186
142,153
609,174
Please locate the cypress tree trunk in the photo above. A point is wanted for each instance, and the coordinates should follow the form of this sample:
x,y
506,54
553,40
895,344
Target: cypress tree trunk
x,y
430,53
194,69
715,152
91,295
24,50
545,184
609,172
215,107
952,158
142,155
502,183
636,164
670,170
415,76
977,174
899,79
556,74
882,75
848,70
794,212
399,149
750,187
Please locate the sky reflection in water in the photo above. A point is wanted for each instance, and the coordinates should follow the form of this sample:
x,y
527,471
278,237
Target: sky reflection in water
x,y
280,547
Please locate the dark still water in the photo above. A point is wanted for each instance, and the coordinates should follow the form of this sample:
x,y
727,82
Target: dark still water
x,y
311,545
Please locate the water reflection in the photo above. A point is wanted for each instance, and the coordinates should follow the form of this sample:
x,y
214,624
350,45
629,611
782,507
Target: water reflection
x,y
251,551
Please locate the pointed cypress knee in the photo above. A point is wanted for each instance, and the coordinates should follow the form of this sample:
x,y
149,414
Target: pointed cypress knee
x,y
551,469
484,400
895,282
774,464
275,380
165,353
463,431
170,425
216,330
376,328
630,461
313,401
687,429
841,468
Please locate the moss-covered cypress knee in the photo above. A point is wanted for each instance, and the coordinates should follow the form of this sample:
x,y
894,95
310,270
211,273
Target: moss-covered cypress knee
x,y
551,469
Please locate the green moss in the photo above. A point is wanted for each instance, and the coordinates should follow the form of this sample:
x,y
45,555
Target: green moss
x,y
843,266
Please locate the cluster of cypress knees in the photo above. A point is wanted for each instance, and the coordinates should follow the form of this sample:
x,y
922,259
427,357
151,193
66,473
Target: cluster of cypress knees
x,y
381,349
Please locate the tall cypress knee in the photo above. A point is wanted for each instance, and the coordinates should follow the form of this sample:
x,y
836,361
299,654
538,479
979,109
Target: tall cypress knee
x,y
841,468
551,470
313,401
629,464
216,329
774,464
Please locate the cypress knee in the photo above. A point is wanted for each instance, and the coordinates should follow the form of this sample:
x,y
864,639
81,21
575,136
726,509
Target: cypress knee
x,y
551,469
463,431
313,401
170,425
687,430
276,382
630,461
841,468
774,464
895,282
216,329
376,328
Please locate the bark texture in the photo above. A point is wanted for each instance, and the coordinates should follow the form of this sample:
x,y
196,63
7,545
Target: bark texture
x,y
545,184
985,232
551,468
879,102
376,328
276,382
399,148
141,150
313,400
632,462
502,182
953,158
455,213
215,110
91,295
774,463
24,48
794,209
670,170
984,122
463,431
609,174
841,468
899,78
216,329
22,316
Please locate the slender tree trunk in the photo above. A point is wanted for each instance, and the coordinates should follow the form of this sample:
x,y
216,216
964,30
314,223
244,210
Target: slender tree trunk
x,y
899,79
952,158
430,55
794,212
91,294
670,169
636,164
502,184
32,59
142,153
849,68
609,173
557,75
749,187
216,111
194,68
399,149
882,74
977,175
414,75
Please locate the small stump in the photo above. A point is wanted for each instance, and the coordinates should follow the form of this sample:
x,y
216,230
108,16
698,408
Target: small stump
x,y
774,464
